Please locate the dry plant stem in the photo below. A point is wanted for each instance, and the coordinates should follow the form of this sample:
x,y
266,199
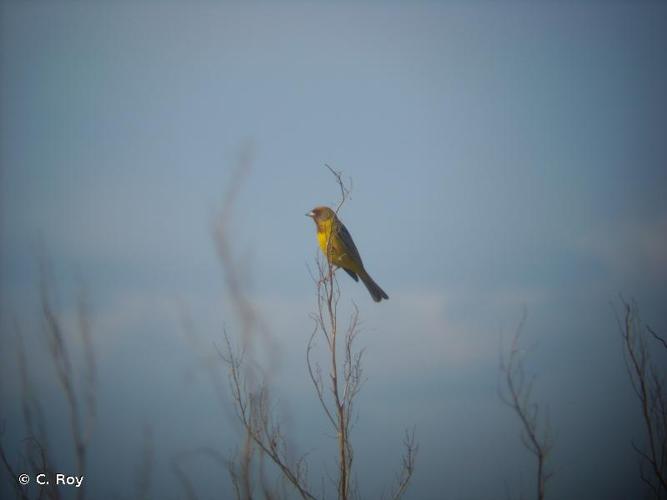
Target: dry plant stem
x,y
249,319
345,376
253,412
80,431
261,436
18,487
649,388
186,482
145,471
331,301
408,465
81,416
518,398
345,458
179,460
328,296
657,337
33,415
37,437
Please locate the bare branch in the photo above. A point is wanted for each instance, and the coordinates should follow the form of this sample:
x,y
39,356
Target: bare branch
x,y
145,471
90,366
407,464
81,416
80,432
315,373
649,389
18,487
344,190
518,396
186,482
255,415
657,337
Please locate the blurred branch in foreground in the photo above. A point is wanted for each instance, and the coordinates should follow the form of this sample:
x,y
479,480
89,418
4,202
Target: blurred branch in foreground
x,y
263,436
81,415
263,433
516,393
81,404
648,383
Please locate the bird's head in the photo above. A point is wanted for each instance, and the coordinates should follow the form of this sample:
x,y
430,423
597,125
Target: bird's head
x,y
321,214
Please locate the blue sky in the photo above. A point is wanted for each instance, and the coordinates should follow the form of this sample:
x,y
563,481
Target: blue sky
x,y
503,155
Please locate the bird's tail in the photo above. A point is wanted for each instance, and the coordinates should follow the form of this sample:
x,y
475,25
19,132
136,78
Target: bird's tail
x,y
373,288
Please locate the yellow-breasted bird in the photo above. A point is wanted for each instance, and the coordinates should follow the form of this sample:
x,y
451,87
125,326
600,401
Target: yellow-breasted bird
x,y
342,252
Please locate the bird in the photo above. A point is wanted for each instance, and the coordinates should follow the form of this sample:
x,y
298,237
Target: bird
x,y
342,252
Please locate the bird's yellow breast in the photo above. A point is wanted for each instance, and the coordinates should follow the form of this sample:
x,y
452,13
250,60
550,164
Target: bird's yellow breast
x,y
324,234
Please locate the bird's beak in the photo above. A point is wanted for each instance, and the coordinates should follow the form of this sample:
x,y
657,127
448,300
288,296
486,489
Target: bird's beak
x,y
310,214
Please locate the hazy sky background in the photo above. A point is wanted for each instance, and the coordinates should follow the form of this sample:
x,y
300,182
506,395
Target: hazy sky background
x,y
503,155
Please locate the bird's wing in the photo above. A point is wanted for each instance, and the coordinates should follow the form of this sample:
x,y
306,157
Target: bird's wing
x,y
351,273
350,247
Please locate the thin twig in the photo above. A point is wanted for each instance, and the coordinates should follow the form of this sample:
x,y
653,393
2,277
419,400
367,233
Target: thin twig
x,y
518,397
649,389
